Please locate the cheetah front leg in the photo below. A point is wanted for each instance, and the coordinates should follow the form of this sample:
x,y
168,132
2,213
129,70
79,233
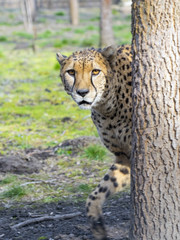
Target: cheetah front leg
x,y
115,179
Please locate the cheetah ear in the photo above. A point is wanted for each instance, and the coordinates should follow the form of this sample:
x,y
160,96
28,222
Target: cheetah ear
x,y
60,58
109,52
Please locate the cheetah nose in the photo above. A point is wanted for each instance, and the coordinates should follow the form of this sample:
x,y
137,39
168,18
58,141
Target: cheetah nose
x,y
82,92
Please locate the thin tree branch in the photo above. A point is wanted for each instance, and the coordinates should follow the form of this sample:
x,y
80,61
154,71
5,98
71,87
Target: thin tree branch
x,y
39,182
45,218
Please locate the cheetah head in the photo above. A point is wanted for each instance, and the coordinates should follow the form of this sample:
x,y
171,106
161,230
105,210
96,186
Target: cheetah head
x,y
84,75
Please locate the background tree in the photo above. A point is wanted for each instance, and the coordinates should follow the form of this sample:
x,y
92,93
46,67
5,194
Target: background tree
x,y
106,32
28,9
49,4
74,12
156,117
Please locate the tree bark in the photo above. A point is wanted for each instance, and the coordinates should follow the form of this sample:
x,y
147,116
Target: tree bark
x,y
106,32
74,12
155,187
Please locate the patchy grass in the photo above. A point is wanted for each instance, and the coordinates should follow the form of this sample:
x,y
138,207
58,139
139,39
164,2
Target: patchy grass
x,y
95,152
8,179
94,19
15,191
45,34
89,42
64,152
64,177
3,38
23,35
60,13
115,12
54,29
85,188
79,31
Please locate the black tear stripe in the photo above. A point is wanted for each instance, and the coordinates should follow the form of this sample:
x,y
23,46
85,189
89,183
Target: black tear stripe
x,y
92,81
74,79
67,86
83,67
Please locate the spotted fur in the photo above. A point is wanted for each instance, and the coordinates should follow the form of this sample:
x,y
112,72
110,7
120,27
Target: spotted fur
x,y
101,80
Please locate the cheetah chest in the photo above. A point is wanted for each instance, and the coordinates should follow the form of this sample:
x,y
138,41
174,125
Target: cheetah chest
x,y
115,134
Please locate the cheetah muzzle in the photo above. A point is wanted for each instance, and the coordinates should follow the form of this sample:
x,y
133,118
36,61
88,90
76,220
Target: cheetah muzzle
x,y
100,80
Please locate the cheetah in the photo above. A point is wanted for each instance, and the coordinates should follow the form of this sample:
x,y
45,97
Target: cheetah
x,y
101,80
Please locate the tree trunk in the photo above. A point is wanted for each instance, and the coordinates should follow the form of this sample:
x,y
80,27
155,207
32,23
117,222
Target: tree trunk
x,y
155,188
74,12
49,4
106,32
28,8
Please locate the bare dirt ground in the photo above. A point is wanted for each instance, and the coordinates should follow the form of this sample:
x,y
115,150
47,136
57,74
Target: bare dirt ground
x,y
116,210
116,214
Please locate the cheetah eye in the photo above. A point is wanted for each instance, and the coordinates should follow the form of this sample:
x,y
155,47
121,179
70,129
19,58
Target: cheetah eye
x,y
95,72
71,72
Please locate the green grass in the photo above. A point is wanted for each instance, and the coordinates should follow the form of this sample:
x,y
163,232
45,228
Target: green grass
x,y
65,42
122,34
42,238
8,179
67,36
95,152
67,29
94,19
64,152
85,188
11,16
5,24
128,18
1,54
42,20
23,35
45,34
61,43
60,13
15,191
91,28
115,12
3,38
79,31
89,42
119,28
